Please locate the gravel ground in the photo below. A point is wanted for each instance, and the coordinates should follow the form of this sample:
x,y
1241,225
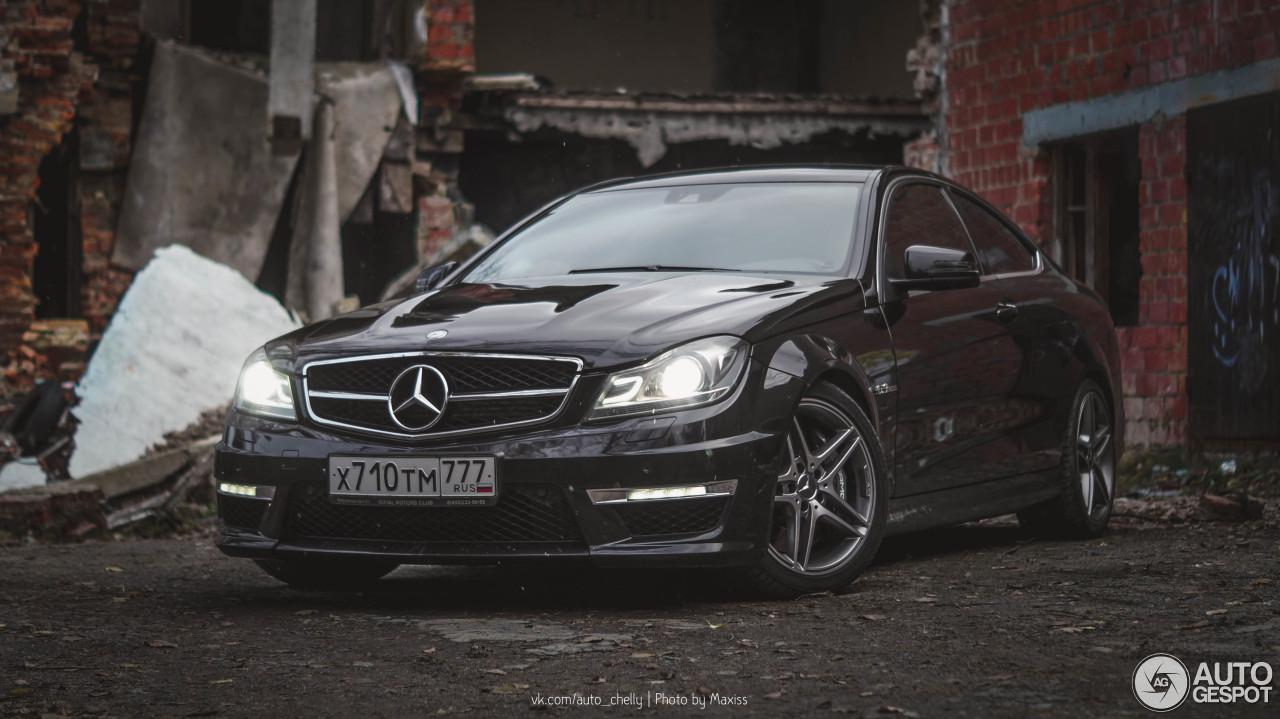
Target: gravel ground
x,y
972,621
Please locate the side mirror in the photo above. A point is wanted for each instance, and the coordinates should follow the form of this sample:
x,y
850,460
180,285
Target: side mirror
x,y
937,268
431,276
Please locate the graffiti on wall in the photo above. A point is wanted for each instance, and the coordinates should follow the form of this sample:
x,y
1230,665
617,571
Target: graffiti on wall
x,y
1233,272
1244,293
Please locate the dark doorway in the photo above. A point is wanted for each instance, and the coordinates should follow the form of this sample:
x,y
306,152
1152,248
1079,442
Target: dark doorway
x,y
1096,217
1233,236
56,278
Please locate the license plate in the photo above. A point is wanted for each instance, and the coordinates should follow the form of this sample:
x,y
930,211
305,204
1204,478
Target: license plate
x,y
414,481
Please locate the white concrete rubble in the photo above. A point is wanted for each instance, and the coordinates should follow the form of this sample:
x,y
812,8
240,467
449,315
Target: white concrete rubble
x,y
172,351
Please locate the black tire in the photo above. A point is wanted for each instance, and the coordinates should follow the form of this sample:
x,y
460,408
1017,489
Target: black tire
x,y
337,574
819,538
1087,472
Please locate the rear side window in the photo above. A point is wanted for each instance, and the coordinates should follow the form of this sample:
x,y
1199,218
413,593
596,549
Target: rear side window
x,y
920,215
999,250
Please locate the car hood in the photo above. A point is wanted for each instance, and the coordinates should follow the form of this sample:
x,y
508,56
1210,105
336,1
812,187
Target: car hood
x,y
603,319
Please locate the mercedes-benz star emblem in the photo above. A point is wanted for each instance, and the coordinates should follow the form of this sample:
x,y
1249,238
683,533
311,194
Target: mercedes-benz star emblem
x,y
418,397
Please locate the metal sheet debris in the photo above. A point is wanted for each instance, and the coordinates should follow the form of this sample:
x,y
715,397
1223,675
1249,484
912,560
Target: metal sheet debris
x,y
203,173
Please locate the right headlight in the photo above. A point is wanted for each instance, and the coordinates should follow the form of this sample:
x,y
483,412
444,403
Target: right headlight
x,y
263,390
691,375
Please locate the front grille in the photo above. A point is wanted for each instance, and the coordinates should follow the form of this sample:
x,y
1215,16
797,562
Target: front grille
x,y
241,512
486,392
672,516
458,416
466,375
523,513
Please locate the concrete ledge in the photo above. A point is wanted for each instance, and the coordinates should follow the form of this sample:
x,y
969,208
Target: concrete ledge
x,y
1135,107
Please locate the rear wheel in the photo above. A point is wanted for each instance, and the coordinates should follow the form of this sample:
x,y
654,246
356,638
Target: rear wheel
x,y
830,500
1088,472
339,574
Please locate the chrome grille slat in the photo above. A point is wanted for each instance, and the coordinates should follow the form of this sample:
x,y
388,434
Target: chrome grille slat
x,y
489,391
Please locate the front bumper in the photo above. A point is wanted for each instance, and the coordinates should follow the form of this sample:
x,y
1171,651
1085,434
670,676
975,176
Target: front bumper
x,y
544,510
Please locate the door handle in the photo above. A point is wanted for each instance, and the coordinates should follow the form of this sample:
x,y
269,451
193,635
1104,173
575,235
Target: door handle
x,y
1006,311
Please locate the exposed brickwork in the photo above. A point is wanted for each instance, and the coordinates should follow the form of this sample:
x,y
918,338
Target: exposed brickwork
x,y
106,119
1154,354
100,196
51,80
113,32
448,57
1004,59
52,513
450,30
58,88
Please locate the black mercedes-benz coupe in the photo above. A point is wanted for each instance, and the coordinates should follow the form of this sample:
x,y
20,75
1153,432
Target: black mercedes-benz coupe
x,y
760,369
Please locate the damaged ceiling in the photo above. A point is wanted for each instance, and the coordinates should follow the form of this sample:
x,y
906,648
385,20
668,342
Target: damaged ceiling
x,y
650,123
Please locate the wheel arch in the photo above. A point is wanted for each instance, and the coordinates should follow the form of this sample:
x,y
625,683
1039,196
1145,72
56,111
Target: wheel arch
x,y
815,358
1099,376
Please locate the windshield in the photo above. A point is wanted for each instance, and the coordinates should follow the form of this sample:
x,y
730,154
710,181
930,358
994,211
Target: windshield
x,y
802,227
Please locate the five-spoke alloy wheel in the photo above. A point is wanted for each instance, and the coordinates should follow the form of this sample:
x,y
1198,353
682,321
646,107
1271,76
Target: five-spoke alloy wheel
x,y
1088,468
830,500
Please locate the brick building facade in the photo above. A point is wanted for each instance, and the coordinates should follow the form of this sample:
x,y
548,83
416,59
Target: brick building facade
x,y
73,63
1031,90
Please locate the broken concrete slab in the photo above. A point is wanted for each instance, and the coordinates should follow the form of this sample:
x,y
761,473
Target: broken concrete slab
x,y
203,172
146,472
173,350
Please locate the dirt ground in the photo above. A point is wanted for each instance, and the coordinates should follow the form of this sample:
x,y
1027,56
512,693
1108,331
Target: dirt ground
x,y
972,621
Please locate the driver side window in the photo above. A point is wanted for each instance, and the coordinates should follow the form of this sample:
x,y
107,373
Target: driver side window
x,y
919,215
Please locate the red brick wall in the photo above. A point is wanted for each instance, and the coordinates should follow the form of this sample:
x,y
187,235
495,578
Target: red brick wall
x,y
450,30
1154,353
51,78
58,88
1004,59
113,30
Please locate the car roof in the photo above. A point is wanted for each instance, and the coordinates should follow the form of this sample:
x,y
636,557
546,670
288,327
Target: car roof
x,y
796,173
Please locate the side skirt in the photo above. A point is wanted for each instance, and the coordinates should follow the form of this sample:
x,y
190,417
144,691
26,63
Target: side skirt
x,y
970,502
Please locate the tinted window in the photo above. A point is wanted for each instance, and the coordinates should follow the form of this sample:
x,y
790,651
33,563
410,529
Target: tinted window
x,y
920,215
999,250
756,227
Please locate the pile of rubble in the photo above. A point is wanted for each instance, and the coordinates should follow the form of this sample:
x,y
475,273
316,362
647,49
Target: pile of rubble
x,y
139,440
161,486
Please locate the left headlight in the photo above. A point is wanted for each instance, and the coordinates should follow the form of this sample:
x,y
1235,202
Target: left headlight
x,y
690,375
264,391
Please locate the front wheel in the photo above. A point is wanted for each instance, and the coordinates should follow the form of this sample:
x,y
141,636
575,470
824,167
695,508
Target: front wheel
x,y
830,499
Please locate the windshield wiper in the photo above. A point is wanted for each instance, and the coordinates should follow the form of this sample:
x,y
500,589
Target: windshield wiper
x,y
652,268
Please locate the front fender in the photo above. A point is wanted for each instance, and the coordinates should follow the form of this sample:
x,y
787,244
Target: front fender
x,y
811,357
868,376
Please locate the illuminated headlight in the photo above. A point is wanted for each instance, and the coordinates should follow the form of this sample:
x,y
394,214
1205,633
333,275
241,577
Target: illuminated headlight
x,y
263,390
691,375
